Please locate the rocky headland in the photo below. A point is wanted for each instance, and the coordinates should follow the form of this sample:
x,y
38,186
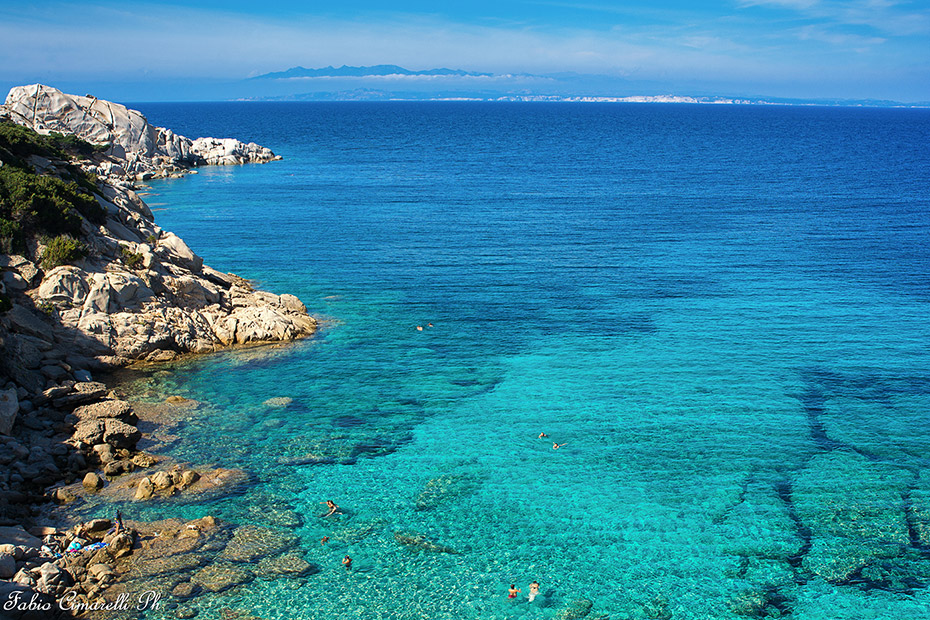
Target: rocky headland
x,y
89,283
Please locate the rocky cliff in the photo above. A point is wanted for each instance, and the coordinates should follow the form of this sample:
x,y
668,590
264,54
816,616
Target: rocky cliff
x,y
134,147
88,280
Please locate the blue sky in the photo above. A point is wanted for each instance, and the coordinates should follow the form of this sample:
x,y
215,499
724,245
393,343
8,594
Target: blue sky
x,y
782,48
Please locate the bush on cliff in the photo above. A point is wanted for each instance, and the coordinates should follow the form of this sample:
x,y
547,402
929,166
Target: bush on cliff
x,y
18,142
33,204
132,259
62,250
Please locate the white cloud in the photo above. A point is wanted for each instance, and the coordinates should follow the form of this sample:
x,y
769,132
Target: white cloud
x,y
891,17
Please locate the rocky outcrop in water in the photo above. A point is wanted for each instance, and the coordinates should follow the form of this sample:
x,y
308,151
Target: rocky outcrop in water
x,y
137,149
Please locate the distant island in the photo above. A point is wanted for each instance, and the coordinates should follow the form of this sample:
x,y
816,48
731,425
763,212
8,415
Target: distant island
x,y
396,83
347,71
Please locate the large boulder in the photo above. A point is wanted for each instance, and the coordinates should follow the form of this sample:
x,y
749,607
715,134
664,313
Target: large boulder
x,y
7,565
9,407
18,537
53,579
127,289
65,284
107,430
98,297
119,409
176,251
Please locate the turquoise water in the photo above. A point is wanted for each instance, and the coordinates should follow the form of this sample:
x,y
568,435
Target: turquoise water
x,y
722,312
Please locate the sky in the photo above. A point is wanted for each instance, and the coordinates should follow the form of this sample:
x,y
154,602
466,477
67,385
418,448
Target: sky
x,y
854,49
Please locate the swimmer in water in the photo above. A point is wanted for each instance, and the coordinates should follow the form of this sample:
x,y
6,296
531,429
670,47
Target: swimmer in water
x,y
324,540
429,324
333,508
534,591
513,591
556,446
543,436
347,562
419,328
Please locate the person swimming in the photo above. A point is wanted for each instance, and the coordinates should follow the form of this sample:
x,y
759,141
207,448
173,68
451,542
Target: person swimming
x,y
333,508
347,562
534,591
542,436
513,591
556,446
324,540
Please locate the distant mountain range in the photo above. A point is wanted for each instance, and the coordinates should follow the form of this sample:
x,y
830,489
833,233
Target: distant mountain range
x,y
395,83
358,72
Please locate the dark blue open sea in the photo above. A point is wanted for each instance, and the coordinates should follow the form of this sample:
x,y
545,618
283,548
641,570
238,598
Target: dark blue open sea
x,y
721,311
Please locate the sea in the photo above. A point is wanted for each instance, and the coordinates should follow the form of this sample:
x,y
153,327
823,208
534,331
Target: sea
x,y
719,314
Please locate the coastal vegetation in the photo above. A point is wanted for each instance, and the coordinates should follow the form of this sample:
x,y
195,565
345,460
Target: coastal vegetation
x,y
41,192
62,250
132,259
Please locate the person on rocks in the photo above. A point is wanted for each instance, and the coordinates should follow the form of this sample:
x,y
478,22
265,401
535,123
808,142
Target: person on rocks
x,y
119,527
333,508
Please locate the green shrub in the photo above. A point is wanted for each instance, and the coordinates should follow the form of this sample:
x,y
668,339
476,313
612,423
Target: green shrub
x,y
132,259
19,142
40,204
71,144
62,250
11,237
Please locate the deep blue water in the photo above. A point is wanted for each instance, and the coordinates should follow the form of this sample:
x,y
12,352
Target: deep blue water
x,y
722,311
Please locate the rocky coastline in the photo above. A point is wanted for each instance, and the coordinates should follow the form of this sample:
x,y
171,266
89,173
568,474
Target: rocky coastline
x,y
131,292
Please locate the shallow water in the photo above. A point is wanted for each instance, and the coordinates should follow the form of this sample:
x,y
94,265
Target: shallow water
x,y
720,311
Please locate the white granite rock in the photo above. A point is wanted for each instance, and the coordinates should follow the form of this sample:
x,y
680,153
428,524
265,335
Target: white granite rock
x,y
137,148
64,284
